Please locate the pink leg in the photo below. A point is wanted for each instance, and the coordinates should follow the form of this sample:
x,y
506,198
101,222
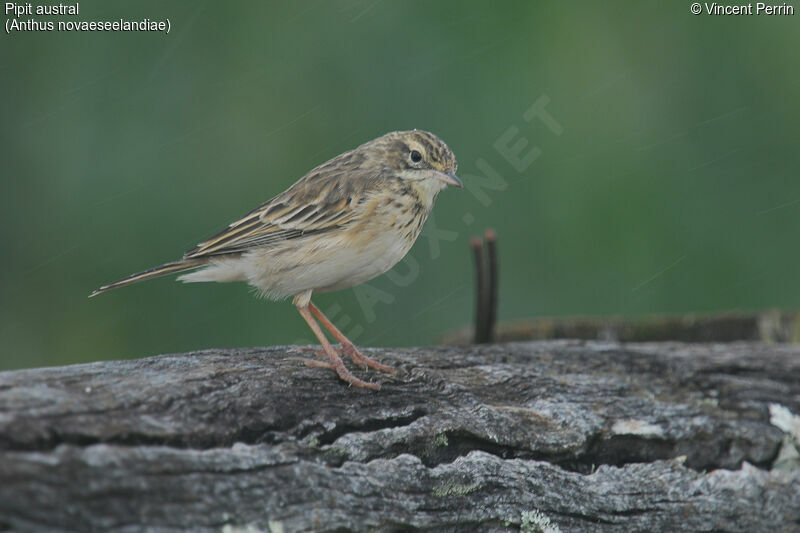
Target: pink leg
x,y
336,361
347,347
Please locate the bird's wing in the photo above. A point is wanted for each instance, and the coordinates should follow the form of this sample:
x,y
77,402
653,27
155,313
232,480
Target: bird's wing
x,y
313,205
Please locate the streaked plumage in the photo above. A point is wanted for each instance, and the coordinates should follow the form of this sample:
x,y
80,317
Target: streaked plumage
x,y
343,223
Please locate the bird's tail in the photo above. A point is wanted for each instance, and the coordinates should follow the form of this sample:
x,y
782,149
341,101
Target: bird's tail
x,y
163,270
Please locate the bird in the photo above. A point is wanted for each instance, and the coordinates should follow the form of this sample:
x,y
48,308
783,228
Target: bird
x,y
343,223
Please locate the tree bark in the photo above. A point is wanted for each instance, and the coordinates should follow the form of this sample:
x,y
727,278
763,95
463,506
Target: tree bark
x,y
536,436
766,326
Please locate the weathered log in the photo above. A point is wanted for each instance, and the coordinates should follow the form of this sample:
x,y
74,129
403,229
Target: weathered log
x,y
766,326
576,436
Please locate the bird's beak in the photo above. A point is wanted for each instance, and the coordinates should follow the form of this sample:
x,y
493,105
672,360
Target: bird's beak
x,y
449,177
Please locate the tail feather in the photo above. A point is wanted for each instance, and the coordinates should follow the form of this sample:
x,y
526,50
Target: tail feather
x,y
163,270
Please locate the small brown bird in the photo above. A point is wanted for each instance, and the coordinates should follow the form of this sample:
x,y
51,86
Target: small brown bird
x,y
345,222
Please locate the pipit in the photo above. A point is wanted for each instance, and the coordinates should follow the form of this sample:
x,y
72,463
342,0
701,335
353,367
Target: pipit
x,y
343,223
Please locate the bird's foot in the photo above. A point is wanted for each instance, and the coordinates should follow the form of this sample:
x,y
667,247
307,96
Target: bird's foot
x,y
313,362
345,375
358,358
335,364
362,360
316,351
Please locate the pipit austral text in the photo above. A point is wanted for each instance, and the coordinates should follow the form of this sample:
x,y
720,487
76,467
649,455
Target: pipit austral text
x,y
345,222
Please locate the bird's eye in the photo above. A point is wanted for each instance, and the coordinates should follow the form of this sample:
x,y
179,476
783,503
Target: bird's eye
x,y
416,157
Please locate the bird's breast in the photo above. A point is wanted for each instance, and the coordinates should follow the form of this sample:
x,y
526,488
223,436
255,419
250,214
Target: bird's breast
x,y
379,237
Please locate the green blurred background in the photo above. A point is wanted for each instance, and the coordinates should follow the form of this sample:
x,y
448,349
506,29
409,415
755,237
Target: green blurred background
x,y
672,188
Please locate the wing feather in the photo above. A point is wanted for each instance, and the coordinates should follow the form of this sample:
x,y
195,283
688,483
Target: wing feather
x,y
319,202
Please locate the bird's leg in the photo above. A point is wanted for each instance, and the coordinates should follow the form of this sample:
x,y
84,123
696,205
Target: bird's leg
x,y
336,361
348,347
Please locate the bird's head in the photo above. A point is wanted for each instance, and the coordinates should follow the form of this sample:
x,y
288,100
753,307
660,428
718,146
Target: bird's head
x,y
419,156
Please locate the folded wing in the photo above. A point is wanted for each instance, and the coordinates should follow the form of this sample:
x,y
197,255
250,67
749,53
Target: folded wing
x,y
313,205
